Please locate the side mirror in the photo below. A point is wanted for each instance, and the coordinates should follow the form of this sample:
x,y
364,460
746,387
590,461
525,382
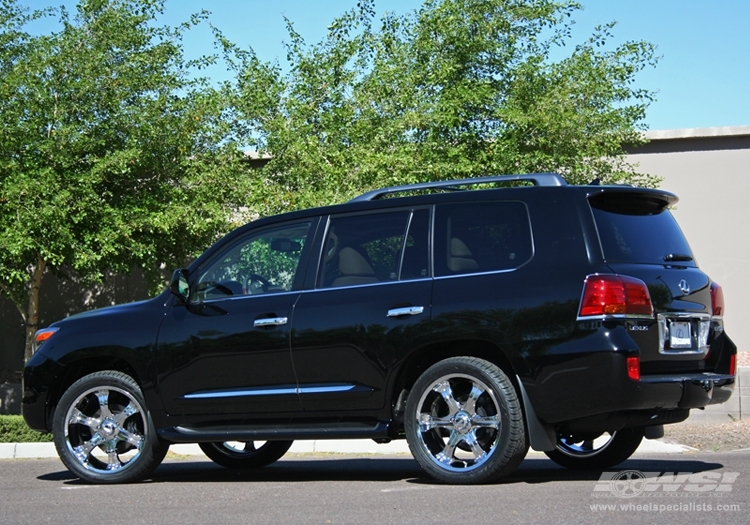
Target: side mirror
x,y
179,285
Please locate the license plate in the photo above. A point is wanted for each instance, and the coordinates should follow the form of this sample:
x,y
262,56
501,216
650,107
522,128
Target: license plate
x,y
680,335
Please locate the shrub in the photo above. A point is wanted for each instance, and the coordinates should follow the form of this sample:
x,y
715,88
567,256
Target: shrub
x,y
13,429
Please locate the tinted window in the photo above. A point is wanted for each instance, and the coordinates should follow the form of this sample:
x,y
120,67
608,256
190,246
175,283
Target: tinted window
x,y
481,237
641,236
263,263
373,248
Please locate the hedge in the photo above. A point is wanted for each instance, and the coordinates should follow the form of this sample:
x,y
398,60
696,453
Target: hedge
x,y
13,429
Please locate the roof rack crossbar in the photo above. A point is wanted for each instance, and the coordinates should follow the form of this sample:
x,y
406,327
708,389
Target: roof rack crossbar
x,y
539,179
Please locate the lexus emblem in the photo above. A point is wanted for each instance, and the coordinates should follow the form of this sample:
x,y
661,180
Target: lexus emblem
x,y
684,287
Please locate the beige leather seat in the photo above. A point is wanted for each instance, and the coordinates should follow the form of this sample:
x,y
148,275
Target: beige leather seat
x,y
460,258
354,269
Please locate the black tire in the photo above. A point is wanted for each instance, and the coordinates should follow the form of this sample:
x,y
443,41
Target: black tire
x,y
464,422
103,431
245,455
588,452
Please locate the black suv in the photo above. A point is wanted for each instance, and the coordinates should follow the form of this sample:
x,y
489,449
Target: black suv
x,y
474,318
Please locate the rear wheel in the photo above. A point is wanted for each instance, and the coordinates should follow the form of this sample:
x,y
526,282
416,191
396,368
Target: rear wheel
x,y
464,422
595,452
103,431
245,454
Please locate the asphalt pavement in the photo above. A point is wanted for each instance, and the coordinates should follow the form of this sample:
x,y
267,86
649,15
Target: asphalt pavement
x,y
321,488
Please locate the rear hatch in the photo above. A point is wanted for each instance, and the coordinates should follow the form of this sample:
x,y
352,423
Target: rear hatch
x,y
640,238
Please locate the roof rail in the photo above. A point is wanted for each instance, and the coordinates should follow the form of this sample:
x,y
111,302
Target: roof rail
x,y
539,179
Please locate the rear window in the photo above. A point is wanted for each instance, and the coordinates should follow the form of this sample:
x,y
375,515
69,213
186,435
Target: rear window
x,y
640,231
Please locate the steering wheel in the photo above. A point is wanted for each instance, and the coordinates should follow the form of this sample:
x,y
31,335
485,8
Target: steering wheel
x,y
253,282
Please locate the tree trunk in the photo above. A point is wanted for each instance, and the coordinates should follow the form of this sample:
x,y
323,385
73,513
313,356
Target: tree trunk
x,y
32,314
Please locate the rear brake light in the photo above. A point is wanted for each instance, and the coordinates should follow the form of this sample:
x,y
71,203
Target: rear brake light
x,y
634,368
733,365
615,295
717,300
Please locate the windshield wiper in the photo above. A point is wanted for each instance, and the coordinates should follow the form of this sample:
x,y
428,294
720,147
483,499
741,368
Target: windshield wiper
x,y
671,257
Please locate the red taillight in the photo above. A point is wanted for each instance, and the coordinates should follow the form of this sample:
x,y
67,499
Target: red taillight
x,y
613,295
634,368
717,300
733,365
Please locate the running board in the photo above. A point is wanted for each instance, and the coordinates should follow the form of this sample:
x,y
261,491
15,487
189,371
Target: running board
x,y
275,432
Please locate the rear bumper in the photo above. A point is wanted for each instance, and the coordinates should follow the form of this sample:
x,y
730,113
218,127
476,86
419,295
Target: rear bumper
x,y
585,384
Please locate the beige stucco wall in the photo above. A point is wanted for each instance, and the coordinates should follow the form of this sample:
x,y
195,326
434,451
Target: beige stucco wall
x,y
713,211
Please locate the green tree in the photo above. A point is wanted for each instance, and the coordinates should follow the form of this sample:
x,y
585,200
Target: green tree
x,y
113,154
458,88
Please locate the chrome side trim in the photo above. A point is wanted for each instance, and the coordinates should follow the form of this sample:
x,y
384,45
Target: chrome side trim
x,y
613,317
279,391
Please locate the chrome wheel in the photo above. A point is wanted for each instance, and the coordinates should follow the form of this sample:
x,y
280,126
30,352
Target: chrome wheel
x,y
464,422
103,431
591,451
579,447
458,422
245,454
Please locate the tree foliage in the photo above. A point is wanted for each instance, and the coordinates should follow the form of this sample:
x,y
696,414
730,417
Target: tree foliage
x,y
458,88
112,150
115,152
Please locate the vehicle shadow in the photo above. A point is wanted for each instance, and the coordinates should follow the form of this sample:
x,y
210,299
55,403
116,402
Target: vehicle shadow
x,y
533,470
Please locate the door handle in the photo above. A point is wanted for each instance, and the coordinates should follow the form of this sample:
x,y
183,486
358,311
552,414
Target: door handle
x,y
406,310
269,321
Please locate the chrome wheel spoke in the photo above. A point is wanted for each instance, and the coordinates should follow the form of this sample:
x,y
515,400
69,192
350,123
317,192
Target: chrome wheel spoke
x,y
471,403
128,411
79,418
102,396
249,446
83,451
446,455
476,449
129,437
446,392
113,461
485,422
428,422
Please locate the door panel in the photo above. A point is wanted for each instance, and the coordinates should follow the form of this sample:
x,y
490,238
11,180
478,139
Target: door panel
x,y
214,359
228,352
345,344
371,307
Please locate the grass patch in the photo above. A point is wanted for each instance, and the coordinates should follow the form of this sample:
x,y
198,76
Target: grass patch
x,y
13,429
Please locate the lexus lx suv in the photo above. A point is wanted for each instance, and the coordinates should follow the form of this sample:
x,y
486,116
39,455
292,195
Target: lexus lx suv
x,y
473,318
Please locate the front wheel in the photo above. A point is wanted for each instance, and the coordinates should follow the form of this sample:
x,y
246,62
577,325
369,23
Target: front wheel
x,y
595,452
245,454
103,431
464,422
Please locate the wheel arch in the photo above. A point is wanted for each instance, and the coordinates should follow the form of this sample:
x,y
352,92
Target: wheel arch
x,y
428,355
78,368
541,436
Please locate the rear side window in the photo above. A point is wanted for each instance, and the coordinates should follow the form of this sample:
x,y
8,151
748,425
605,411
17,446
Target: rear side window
x,y
634,230
481,237
376,248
